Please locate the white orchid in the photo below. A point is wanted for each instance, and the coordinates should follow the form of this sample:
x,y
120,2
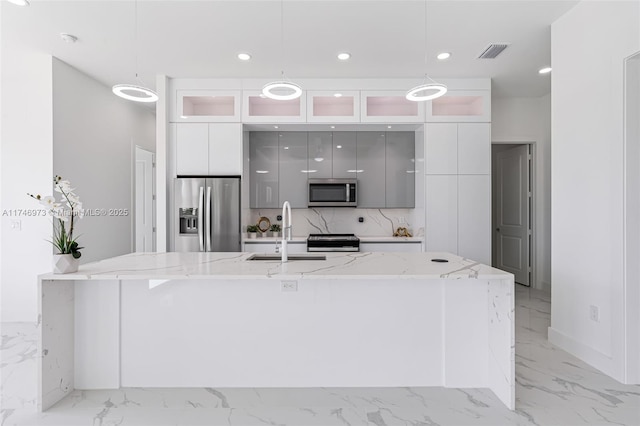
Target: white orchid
x,y
63,211
48,201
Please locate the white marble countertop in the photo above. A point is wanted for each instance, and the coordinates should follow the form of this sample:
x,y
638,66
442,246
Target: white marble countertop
x,y
295,240
226,266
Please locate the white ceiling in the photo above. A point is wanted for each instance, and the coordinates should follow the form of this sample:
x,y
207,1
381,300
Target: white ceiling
x,y
200,39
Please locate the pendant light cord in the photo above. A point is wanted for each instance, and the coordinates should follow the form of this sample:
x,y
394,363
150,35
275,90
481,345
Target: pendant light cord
x,y
282,39
135,37
426,55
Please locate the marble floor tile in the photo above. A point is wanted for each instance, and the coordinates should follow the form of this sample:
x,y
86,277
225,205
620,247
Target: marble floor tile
x,y
553,388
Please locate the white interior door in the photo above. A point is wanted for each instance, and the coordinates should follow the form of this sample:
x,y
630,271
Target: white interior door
x,y
145,240
512,215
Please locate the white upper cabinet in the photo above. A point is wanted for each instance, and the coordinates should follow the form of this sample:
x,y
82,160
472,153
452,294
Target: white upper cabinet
x,y
337,106
460,106
208,106
208,149
389,107
192,149
225,149
259,109
474,148
441,153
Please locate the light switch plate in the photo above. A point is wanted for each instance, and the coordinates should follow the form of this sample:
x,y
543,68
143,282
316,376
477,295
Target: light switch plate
x,y
289,285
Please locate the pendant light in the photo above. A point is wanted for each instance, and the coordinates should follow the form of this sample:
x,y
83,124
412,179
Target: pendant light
x,y
429,89
135,92
282,90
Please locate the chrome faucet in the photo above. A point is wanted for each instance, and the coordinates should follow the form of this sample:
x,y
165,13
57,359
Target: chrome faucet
x,y
286,226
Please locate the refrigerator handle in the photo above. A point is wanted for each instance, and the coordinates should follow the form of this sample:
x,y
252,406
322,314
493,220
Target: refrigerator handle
x,y
208,218
201,219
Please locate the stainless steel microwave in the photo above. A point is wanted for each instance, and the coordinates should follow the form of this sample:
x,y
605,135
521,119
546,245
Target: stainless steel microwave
x,y
333,192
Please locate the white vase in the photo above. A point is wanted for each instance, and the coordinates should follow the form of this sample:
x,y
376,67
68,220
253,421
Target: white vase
x,y
252,235
65,263
275,234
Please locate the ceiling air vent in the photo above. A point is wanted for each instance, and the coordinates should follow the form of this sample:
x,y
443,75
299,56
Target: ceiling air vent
x,y
493,50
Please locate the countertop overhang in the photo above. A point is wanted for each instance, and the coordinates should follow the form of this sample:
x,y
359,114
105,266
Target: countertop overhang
x,y
230,266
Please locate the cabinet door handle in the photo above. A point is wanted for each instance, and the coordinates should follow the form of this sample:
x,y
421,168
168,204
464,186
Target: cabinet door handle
x,y
498,229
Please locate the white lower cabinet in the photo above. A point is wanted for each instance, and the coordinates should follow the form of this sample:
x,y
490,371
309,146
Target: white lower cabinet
x,y
474,217
405,246
442,213
257,246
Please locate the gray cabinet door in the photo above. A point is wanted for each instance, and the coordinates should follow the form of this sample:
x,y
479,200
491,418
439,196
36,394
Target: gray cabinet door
x,y
320,155
263,166
293,168
344,155
400,170
370,165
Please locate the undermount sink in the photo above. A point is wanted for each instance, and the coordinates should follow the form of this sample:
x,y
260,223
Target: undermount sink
x,y
290,257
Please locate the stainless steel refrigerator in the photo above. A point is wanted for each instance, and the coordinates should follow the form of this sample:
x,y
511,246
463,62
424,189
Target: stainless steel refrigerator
x,y
206,214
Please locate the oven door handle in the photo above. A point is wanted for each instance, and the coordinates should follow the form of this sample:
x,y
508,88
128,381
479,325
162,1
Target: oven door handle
x,y
348,192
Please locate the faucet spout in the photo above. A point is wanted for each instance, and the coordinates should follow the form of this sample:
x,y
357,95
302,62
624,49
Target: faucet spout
x,y
286,229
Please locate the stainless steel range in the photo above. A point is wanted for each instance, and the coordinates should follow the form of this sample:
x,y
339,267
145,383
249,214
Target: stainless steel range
x,y
333,242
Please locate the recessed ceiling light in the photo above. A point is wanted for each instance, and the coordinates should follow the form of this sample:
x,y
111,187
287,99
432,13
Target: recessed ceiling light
x,y
338,146
244,56
68,38
545,70
333,127
183,116
344,56
337,95
20,2
388,127
275,127
444,55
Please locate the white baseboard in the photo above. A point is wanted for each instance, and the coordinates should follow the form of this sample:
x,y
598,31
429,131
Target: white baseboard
x,y
586,353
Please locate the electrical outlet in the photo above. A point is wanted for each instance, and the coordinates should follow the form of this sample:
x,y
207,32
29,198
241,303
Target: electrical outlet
x,y
401,220
289,285
16,225
594,313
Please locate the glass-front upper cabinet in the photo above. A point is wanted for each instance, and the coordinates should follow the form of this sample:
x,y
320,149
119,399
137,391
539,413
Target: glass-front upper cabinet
x,y
389,107
256,108
333,106
460,106
208,106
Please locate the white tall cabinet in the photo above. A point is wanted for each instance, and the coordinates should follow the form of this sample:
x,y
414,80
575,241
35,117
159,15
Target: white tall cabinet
x,y
458,189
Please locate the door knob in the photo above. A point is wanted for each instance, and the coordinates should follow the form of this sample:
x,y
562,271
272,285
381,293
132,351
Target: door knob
x,y
498,229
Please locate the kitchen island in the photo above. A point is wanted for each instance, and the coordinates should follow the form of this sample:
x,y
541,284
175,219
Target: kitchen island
x,y
221,320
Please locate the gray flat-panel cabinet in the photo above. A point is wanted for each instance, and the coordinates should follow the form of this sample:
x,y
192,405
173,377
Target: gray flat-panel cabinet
x,y
400,170
344,155
293,158
370,166
320,155
263,166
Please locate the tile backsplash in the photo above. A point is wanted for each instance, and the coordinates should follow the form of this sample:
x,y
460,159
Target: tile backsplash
x,y
377,222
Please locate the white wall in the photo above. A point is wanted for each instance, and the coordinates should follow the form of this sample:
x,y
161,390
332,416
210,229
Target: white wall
x,y
589,44
94,135
26,166
529,120
56,120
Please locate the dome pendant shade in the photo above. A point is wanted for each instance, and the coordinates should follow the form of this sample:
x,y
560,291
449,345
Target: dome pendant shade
x,y
426,92
282,90
135,93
